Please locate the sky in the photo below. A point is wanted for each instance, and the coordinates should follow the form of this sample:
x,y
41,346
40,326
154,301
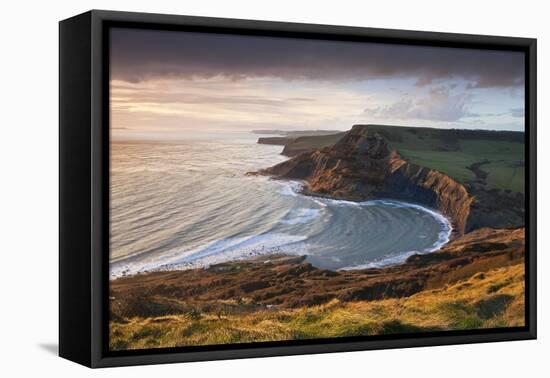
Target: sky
x,y
165,84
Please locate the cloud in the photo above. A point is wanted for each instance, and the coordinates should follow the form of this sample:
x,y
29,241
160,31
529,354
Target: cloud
x,y
220,103
478,115
438,105
518,112
139,55
219,92
514,112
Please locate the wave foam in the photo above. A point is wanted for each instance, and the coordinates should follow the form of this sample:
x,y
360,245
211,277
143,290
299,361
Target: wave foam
x,y
290,188
229,249
300,216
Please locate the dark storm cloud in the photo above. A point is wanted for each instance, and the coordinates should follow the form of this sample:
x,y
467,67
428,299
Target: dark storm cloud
x,y
138,55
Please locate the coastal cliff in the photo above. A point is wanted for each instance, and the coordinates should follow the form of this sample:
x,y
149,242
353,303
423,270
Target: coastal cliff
x,y
361,166
276,141
298,142
477,280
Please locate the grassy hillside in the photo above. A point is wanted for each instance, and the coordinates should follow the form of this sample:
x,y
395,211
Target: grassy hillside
x,y
307,143
318,141
485,300
453,151
500,154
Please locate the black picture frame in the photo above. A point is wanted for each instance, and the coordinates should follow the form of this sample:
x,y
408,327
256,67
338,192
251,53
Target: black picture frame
x,y
84,189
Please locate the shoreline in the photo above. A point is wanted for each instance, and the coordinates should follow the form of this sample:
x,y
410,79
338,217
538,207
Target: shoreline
x,y
446,233
401,257
452,236
397,259
478,271
281,289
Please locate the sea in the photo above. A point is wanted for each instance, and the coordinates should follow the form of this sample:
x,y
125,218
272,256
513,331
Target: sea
x,y
188,203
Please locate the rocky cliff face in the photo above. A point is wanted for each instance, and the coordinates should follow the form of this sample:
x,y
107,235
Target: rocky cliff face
x,y
431,188
361,166
353,168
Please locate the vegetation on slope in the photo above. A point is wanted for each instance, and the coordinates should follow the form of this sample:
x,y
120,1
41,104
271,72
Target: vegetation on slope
x,y
310,143
453,152
503,160
485,300
474,282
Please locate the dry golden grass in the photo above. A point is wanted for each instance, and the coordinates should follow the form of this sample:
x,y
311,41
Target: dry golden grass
x,y
486,300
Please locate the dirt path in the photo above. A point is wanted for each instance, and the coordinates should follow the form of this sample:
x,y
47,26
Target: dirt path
x,y
481,175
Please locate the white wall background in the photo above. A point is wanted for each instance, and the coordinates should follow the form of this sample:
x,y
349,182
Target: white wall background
x,y
29,186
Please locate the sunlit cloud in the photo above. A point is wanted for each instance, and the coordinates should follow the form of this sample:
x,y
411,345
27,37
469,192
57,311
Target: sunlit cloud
x,y
438,105
180,86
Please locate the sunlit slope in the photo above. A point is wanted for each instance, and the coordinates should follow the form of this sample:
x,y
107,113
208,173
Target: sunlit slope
x,y
485,300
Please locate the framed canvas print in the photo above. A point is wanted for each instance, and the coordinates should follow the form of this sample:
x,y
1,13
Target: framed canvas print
x,y
233,188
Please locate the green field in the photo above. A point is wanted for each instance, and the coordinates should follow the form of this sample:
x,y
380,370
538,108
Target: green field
x,y
315,142
451,151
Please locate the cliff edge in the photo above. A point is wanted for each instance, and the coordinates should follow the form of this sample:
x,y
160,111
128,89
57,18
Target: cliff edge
x,y
363,166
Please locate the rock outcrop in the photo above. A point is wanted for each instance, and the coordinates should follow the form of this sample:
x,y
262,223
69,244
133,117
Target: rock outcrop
x,y
361,166
431,188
